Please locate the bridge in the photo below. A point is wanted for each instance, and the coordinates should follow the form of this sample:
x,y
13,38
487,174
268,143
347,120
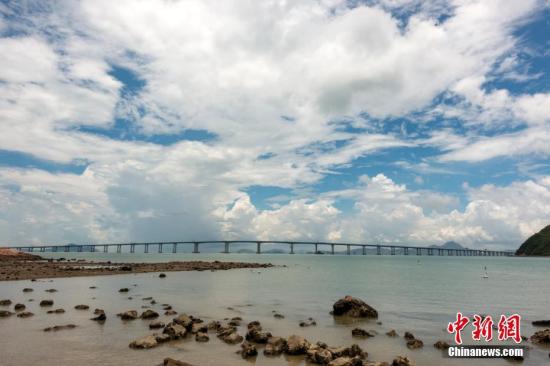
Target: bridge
x,y
225,246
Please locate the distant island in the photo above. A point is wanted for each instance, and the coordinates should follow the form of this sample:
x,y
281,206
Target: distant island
x,y
448,245
537,245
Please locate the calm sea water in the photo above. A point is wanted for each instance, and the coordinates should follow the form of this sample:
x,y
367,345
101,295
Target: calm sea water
x,y
418,294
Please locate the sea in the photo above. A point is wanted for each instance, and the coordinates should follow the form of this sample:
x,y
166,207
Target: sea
x,y
419,294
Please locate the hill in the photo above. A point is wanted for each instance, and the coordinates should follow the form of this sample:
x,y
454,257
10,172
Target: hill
x,y
537,244
448,245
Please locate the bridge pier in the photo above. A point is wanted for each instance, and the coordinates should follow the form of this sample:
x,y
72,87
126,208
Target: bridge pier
x,y
146,248
418,251
378,250
392,250
430,251
132,248
226,247
160,247
348,249
440,252
332,249
291,248
364,250
406,251
196,247
316,248
259,248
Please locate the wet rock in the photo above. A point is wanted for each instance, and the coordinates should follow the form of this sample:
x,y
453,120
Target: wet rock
x,y
233,338
541,323
236,321
123,290
92,287
101,317
19,307
257,336
128,315
56,311
5,313
374,363
199,328
361,333
161,338
125,268
170,312
162,275
99,311
248,350
175,331
167,307
146,342
296,345
5,302
307,323
156,325
81,307
346,361
392,333
408,336
541,337
185,320
441,345
51,290
414,344
354,307
213,325
278,316
352,351
149,314
147,298
25,314
254,324
275,346
172,362
56,328
202,337
46,303
319,355
27,289
402,361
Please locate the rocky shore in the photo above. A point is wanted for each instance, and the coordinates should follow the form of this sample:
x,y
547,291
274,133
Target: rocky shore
x,y
24,266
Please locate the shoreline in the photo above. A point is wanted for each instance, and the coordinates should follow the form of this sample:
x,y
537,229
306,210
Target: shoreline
x,y
24,266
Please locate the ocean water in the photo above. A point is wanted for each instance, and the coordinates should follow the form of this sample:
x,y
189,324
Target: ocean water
x,y
417,294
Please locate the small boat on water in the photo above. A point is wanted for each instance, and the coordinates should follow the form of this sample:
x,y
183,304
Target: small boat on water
x,y
486,275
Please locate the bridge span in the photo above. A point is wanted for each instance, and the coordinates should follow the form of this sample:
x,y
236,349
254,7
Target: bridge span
x,y
225,246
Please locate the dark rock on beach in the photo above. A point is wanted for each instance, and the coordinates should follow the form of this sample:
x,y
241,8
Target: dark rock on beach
x,y
275,346
123,290
391,333
354,307
172,362
307,323
441,345
175,331
541,337
202,337
46,303
146,342
101,317
56,311
248,350
156,325
414,344
541,323
408,336
296,345
56,328
128,315
149,314
81,307
402,361
361,333
19,307
5,313
28,290
5,302
162,275
25,314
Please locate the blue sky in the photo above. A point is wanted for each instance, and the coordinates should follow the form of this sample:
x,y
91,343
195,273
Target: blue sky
x,y
375,121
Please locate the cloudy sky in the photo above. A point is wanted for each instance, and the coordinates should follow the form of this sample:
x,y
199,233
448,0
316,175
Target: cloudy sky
x,y
391,121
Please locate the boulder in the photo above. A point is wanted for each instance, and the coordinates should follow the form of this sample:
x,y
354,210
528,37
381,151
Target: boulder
x,y
214,325
51,290
161,338
441,345
128,315
46,303
402,361
123,290
541,337
275,346
5,313
146,342
236,321
199,328
149,314
352,351
56,328
99,311
408,336
361,333
81,307
202,337
391,333
25,314
346,361
233,338
414,344
56,311
175,331
296,345
101,317
162,275
156,325
28,289
170,312
354,307
541,323
278,316
319,355
171,362
307,323
257,336
5,302
375,363
184,320
19,307
254,324
248,350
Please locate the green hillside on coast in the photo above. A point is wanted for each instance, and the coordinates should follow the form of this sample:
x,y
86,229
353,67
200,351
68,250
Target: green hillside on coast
x,y
537,244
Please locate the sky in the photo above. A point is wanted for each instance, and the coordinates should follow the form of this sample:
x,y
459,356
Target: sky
x,y
391,121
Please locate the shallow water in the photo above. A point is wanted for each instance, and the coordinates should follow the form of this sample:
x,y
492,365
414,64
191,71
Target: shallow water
x,y
421,297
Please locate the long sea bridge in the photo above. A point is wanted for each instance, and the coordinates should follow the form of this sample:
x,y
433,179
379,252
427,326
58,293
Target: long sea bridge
x,y
225,247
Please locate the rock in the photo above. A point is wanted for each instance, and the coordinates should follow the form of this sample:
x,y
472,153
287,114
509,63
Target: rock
x,y
5,302
346,361
51,290
172,362
92,287
185,320
441,345
374,363
541,323
56,311
99,311
25,314
199,327
257,336
101,317
254,324
175,331
408,336
167,307
414,344
55,328
19,307
236,321
213,325
128,315
319,355
28,289
202,337
162,275
248,350
149,314
125,268
307,323
275,346
147,298
278,316
81,307
402,361
392,333
156,325
296,345
170,312
541,337
361,333
161,338
354,307
146,342
233,338
46,303
5,313
123,290
352,351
